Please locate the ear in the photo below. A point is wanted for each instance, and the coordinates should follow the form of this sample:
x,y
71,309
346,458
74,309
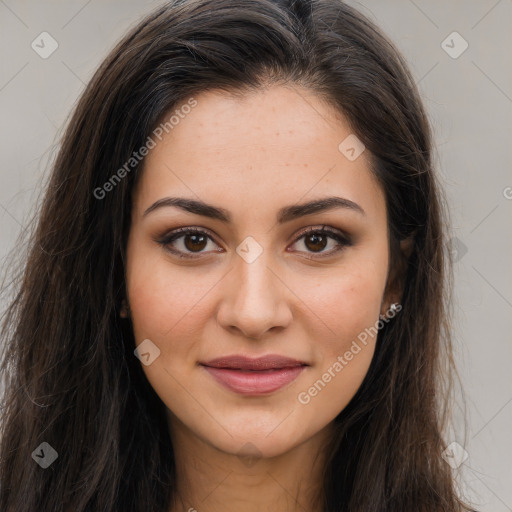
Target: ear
x,y
396,277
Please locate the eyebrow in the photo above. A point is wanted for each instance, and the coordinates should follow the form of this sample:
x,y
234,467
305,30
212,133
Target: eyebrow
x,y
285,214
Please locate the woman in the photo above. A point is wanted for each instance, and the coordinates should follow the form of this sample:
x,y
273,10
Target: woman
x,y
236,293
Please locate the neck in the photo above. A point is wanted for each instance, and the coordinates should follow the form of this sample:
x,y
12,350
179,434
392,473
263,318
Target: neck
x,y
211,480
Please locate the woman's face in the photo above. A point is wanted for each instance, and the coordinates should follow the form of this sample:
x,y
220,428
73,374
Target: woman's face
x,y
252,282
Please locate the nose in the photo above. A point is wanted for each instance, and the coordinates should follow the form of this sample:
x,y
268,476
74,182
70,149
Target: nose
x,y
255,300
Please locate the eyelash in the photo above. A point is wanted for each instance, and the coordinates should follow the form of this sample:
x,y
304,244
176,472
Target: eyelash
x,y
343,240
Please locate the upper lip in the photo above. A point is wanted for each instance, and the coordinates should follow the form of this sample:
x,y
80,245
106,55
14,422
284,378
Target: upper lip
x,y
238,362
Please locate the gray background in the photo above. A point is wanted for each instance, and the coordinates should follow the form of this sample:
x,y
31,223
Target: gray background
x,y
469,100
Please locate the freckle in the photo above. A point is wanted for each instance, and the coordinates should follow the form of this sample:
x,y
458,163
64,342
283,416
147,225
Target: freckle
x,y
305,165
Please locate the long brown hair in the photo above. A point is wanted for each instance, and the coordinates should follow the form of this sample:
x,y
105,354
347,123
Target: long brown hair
x,y
71,378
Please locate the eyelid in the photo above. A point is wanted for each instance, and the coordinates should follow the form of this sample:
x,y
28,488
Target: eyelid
x,y
322,228
177,233
341,237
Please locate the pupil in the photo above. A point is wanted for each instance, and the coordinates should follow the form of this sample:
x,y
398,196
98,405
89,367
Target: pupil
x,y
316,239
197,240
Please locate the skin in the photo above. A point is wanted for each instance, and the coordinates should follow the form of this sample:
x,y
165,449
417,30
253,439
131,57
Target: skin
x,y
252,156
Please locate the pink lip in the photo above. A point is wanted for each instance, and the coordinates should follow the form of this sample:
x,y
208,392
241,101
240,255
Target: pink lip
x,y
254,376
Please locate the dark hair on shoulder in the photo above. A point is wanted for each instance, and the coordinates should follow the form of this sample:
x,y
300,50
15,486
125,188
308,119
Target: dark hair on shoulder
x,y
71,379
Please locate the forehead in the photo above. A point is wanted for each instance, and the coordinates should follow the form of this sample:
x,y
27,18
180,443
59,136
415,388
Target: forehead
x,y
274,146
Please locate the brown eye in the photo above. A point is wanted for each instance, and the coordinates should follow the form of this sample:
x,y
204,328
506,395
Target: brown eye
x,y
187,242
316,242
195,242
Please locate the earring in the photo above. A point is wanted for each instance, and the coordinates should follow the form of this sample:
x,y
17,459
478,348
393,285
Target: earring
x,y
393,310
125,310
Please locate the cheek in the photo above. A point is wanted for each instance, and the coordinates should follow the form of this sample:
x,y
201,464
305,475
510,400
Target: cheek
x,y
345,303
161,298
348,302
344,330
166,307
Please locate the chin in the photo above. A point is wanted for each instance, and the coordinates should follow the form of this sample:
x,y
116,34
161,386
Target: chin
x,y
248,445
260,436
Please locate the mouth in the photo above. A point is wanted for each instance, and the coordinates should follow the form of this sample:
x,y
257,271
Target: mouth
x,y
254,377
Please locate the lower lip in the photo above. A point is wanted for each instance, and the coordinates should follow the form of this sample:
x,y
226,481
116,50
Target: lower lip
x,y
254,382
